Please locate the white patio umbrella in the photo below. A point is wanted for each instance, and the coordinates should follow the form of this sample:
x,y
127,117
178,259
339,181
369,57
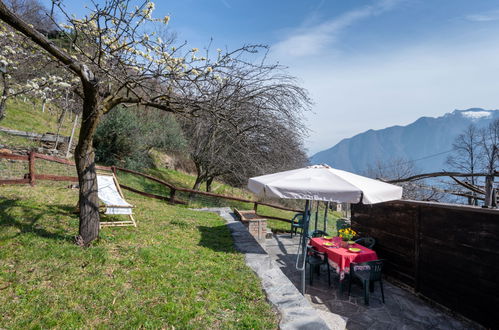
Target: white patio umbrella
x,y
322,183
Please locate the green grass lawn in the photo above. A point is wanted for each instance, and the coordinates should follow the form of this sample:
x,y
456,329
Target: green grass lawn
x,y
178,268
24,116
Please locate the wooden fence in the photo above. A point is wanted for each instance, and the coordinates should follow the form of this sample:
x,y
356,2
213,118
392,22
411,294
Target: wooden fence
x,y
447,253
47,137
32,176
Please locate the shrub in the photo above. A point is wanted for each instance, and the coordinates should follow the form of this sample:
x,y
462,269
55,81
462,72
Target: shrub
x,y
125,135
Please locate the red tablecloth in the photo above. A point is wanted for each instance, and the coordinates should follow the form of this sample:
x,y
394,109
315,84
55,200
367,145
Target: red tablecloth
x,y
340,258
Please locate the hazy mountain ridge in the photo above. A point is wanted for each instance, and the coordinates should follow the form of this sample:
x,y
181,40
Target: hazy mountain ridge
x,y
424,137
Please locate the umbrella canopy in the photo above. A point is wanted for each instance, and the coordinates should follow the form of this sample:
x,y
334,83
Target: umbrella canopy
x,y
323,183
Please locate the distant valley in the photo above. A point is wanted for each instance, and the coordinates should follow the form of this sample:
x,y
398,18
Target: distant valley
x,y
425,137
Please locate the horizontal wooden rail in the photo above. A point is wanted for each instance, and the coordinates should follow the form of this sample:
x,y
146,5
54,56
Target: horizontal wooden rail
x,y
50,177
47,137
12,156
67,162
272,217
192,191
197,192
437,174
14,181
176,201
147,177
279,207
54,159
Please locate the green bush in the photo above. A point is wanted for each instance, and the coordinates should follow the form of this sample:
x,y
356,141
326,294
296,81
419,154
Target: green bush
x,y
125,136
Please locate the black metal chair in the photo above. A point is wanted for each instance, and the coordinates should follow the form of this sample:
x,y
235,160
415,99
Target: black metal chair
x,y
316,259
297,222
368,242
319,233
368,273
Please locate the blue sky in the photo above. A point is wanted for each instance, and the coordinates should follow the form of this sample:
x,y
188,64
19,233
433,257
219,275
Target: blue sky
x,y
366,64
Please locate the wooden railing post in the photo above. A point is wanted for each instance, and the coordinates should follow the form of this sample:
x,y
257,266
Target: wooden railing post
x,y
417,248
172,195
31,168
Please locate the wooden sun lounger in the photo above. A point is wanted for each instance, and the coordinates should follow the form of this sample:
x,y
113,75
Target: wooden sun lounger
x,y
111,207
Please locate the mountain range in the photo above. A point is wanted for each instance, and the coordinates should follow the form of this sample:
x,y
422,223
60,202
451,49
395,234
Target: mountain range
x,y
427,142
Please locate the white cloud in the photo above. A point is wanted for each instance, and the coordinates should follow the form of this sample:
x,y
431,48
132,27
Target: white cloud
x,y
484,17
307,41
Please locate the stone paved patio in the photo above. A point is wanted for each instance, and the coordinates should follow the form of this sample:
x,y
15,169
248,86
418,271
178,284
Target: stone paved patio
x,y
402,310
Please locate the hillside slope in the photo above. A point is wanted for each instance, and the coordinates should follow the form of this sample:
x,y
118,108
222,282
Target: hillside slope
x,y
24,116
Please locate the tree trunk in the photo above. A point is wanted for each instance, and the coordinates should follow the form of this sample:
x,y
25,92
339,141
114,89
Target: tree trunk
x,y
197,183
84,154
4,96
208,184
85,166
2,108
200,178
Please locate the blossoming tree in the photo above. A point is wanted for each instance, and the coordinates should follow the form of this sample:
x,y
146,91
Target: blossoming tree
x,y
118,62
40,79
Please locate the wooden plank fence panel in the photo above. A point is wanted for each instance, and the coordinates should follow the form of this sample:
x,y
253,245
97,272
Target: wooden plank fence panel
x,y
453,257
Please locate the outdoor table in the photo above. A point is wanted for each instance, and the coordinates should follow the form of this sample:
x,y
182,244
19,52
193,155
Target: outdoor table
x,y
340,258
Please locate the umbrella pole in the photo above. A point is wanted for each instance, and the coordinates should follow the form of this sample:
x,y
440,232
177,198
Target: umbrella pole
x,y
316,215
304,236
325,217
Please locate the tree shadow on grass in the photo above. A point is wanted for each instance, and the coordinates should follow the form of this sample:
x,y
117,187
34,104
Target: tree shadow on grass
x,y
225,238
26,219
216,238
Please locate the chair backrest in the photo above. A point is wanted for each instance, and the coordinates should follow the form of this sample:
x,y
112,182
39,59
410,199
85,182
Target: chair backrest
x,y
368,242
375,268
319,233
311,251
298,218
